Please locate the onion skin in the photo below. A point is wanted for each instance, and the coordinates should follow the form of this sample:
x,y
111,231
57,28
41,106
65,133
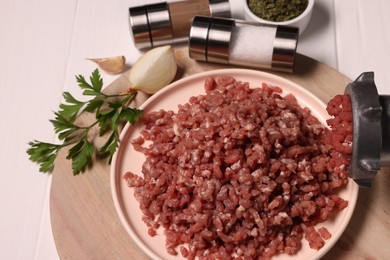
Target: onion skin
x,y
153,70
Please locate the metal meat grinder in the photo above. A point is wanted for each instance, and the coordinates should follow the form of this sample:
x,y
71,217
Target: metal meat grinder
x,y
371,126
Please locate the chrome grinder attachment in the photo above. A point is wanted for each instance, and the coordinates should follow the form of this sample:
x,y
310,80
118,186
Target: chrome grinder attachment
x,y
371,126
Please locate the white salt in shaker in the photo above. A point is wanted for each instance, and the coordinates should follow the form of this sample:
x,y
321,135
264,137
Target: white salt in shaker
x,y
229,41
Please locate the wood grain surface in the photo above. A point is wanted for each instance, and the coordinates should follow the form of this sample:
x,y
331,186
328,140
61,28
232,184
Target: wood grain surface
x,y
85,224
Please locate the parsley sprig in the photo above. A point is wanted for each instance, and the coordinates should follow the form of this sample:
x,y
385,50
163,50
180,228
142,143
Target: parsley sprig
x,y
111,111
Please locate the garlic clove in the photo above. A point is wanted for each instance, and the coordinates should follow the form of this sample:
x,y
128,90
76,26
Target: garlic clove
x,y
111,65
153,70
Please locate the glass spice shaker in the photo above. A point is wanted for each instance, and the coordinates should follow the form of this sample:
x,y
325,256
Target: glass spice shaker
x,y
255,45
168,23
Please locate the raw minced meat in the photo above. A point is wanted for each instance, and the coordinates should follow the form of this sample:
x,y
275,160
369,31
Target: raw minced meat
x,y
241,173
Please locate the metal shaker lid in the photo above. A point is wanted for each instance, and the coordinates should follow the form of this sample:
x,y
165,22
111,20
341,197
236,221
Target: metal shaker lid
x,y
285,47
220,8
210,38
151,25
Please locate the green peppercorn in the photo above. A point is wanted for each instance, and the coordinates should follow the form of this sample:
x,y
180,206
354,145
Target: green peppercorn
x,y
277,10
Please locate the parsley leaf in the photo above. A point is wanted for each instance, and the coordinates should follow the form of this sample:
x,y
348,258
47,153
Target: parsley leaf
x,y
111,112
93,89
132,115
94,105
110,146
63,127
71,108
81,155
44,154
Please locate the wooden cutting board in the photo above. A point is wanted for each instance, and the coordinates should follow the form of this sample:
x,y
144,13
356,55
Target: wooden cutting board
x,y
85,224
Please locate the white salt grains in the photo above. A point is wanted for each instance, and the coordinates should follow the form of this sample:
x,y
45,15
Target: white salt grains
x,y
252,45
241,43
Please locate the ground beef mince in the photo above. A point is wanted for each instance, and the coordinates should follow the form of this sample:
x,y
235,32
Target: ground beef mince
x,y
340,135
241,173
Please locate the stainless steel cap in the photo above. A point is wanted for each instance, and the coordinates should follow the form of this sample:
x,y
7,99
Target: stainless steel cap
x,y
220,8
210,38
285,47
150,25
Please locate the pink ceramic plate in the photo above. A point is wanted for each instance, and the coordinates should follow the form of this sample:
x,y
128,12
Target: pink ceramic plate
x,y
126,159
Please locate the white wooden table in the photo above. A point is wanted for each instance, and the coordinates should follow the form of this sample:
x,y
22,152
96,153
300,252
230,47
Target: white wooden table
x,y
43,45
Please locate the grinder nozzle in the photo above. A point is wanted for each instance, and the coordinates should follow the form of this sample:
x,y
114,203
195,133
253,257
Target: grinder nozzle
x,y
371,129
